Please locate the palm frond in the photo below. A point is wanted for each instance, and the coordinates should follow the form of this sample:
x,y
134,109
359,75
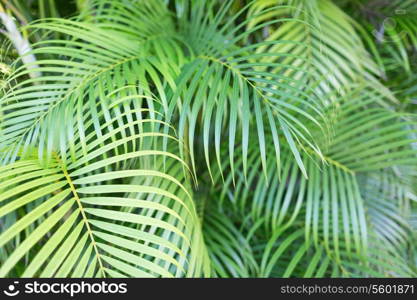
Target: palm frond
x,y
110,212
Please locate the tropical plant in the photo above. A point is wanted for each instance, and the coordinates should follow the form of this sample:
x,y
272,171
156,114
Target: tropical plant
x,y
187,138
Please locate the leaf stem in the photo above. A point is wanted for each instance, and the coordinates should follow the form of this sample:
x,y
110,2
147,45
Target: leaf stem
x,y
77,199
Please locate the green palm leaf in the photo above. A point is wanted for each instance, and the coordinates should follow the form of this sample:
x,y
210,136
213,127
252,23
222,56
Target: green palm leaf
x,y
173,138
137,221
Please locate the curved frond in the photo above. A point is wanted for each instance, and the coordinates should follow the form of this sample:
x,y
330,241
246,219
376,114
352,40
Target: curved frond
x,y
110,212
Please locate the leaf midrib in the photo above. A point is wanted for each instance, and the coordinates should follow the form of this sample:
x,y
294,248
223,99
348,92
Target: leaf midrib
x,y
81,208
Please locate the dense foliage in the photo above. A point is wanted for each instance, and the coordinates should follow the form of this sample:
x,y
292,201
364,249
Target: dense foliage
x,y
187,138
